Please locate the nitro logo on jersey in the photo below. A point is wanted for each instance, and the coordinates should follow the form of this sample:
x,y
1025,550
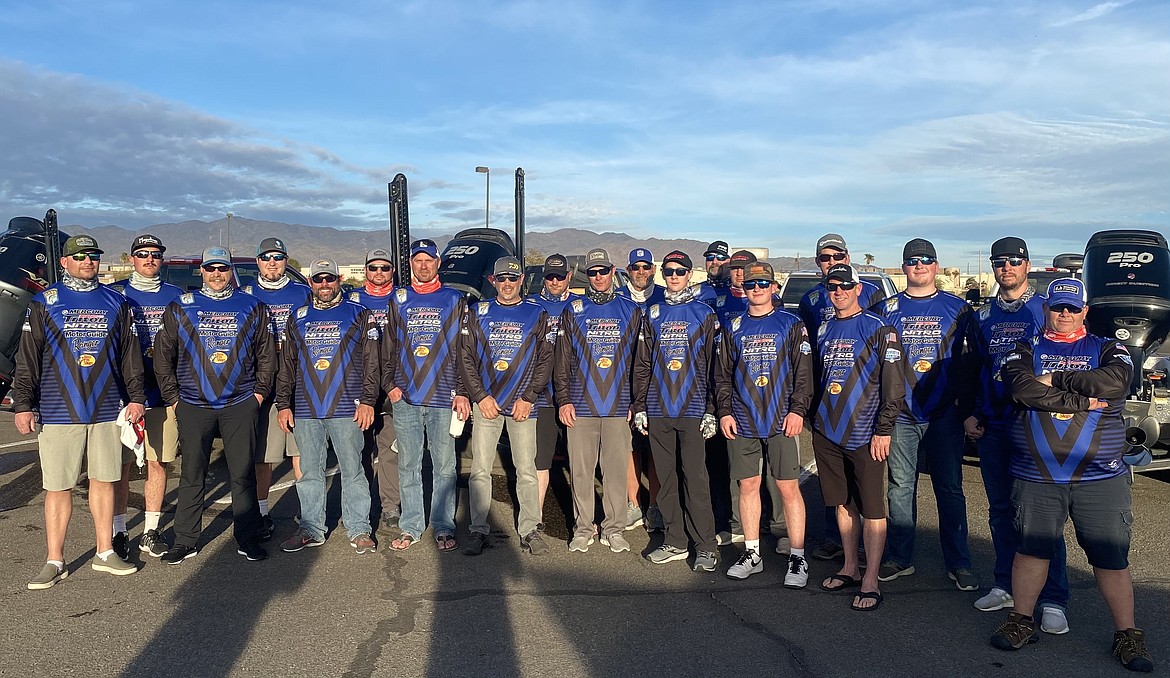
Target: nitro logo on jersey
x,y
602,329
1062,363
1005,335
218,323
921,329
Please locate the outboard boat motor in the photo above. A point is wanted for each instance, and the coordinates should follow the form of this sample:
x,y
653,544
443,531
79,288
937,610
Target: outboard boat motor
x,y
468,259
1127,280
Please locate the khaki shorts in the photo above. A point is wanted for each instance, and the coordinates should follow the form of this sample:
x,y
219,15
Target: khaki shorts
x,y
162,434
272,443
63,446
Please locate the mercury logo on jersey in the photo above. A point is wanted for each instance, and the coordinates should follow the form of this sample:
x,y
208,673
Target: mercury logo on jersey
x,y
1061,363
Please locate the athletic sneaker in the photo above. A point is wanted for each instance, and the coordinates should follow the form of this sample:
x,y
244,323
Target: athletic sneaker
x,y
797,575
1053,621
654,522
964,579
178,553
1129,646
1015,633
783,546
634,516
828,550
299,540
152,544
889,571
254,551
666,554
534,543
266,528
581,544
616,542
476,543
996,599
50,574
724,538
749,563
113,564
363,544
388,525
705,561
121,545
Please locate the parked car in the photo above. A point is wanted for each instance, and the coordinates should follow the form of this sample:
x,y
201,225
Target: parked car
x,y
1063,266
578,282
800,282
183,272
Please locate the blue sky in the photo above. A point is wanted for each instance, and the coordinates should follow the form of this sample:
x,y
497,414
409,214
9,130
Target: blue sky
x,y
766,124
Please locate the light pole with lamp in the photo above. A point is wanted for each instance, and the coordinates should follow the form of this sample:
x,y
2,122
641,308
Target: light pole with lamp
x,y
487,205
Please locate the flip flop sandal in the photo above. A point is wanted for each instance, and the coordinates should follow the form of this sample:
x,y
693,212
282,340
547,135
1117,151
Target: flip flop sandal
x,y
403,542
446,542
847,582
875,596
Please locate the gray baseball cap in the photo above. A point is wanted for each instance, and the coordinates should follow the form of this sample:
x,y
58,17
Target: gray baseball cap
x,y
324,266
597,257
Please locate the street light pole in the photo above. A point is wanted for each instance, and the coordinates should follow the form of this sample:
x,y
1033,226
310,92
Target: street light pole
x,y
229,231
487,205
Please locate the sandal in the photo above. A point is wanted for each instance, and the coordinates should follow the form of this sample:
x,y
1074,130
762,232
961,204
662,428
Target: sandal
x,y
847,582
403,542
875,596
446,542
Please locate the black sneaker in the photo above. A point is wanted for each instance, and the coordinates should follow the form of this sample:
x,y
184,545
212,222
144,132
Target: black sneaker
x,y
388,525
178,553
534,542
1130,647
476,543
253,551
1015,633
827,550
122,545
266,528
152,544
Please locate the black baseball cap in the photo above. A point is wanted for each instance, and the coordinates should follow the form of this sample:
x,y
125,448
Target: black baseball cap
x,y
717,247
841,273
556,263
742,258
678,257
919,247
1009,247
147,240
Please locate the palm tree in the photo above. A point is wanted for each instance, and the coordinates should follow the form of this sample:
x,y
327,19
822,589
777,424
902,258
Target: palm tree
x,y
868,259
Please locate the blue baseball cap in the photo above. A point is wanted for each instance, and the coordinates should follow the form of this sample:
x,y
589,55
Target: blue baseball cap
x,y
424,246
641,254
1067,291
216,255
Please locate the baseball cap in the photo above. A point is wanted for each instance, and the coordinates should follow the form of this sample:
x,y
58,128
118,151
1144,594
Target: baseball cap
x,y
833,241
717,247
147,240
742,258
424,246
271,245
78,244
379,254
556,263
508,265
217,255
1067,291
842,273
641,255
758,270
597,257
1009,247
324,266
678,257
919,247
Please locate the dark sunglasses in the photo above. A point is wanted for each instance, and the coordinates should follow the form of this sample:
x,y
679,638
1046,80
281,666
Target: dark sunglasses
x,y
147,255
216,268
385,268
1061,308
598,272
506,277
641,267
753,284
717,257
1014,261
556,276
833,287
272,256
671,272
836,256
82,256
914,261
324,278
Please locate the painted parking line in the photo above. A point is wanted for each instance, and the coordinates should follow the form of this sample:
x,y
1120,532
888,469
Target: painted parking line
x,y
808,470
332,471
19,443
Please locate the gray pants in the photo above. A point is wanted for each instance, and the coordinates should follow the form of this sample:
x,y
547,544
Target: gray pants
x,y
379,439
485,435
606,440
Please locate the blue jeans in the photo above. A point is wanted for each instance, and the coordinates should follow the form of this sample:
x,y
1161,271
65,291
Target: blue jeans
x,y
411,422
313,437
995,454
935,447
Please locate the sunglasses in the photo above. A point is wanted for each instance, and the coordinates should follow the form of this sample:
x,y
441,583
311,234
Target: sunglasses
x,y
385,268
717,257
324,278
598,272
147,255
833,287
1014,261
1061,308
216,268
641,267
671,272
82,256
556,276
272,256
914,261
753,284
506,277
836,256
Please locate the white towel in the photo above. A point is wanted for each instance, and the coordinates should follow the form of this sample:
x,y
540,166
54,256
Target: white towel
x,y
133,436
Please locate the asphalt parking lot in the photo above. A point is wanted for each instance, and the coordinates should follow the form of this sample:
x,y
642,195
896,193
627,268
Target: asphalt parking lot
x,y
424,613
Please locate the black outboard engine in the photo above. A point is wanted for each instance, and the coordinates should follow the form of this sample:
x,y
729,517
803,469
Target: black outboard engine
x,y
1127,279
24,271
468,259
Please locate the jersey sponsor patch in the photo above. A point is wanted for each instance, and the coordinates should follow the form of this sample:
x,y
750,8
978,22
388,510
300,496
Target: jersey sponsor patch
x,y
654,312
50,297
482,307
400,295
922,366
500,365
735,322
674,365
219,357
762,380
186,298
834,388
604,362
302,312
86,360
422,351
893,355
321,365
577,306
805,347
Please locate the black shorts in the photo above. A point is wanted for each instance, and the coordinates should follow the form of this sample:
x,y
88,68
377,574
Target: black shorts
x,y
746,456
1101,512
851,477
550,437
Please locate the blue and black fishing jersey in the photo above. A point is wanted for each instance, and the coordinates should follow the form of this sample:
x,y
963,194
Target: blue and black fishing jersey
x,y
507,353
933,331
147,309
553,307
594,354
657,295
215,353
672,362
859,380
421,345
995,333
1057,439
280,303
763,371
815,308
378,306
79,360
330,362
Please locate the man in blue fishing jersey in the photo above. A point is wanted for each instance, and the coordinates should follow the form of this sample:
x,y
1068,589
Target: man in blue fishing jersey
x,y
505,360
215,361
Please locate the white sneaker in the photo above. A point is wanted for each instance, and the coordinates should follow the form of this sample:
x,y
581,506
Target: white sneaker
x,y
797,575
783,546
1053,621
616,542
996,599
749,563
581,544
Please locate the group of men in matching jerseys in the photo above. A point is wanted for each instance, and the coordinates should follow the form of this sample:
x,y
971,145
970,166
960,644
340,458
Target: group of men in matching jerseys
x,y
687,384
